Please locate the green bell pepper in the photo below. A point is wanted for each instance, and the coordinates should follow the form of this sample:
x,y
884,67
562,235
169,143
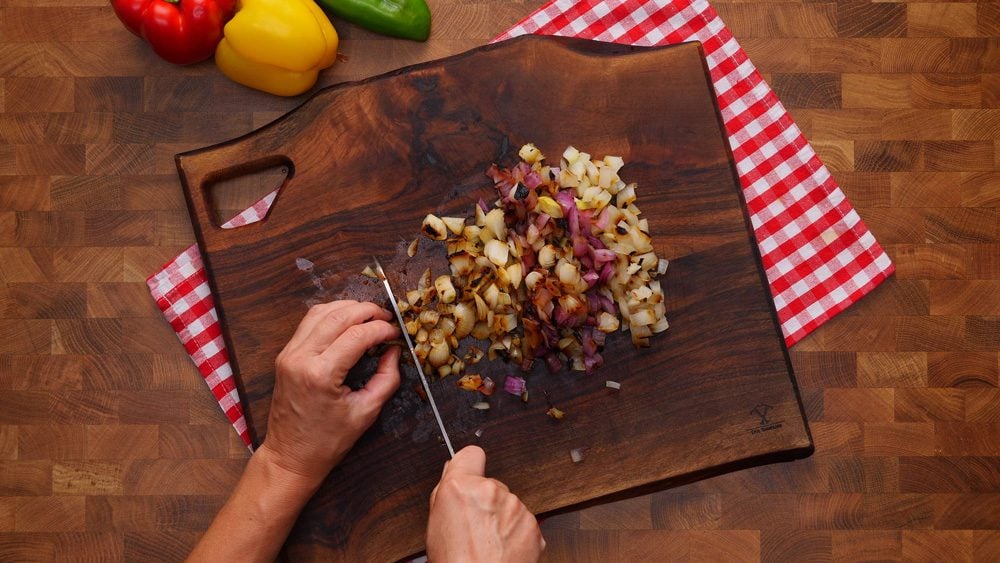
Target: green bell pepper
x,y
409,19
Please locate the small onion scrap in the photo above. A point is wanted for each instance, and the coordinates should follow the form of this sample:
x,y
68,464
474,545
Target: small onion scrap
x,y
556,413
560,260
487,387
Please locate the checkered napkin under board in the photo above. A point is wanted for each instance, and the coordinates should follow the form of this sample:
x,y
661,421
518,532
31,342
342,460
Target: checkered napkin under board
x,y
819,256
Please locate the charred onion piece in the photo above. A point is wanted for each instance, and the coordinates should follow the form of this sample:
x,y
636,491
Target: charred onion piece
x,y
434,228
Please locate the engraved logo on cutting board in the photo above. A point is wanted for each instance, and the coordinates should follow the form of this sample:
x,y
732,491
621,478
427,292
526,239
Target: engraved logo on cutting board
x,y
766,424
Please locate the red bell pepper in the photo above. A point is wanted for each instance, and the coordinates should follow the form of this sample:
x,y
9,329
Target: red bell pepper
x,y
179,31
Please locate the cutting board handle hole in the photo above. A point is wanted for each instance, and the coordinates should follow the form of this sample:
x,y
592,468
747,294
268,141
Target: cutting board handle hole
x,y
246,195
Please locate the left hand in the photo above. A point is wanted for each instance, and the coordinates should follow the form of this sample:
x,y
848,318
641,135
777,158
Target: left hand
x,y
315,419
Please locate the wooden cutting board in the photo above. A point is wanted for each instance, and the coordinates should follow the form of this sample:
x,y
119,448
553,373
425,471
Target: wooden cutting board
x,y
368,160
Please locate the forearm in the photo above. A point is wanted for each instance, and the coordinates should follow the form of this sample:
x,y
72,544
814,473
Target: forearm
x,y
254,522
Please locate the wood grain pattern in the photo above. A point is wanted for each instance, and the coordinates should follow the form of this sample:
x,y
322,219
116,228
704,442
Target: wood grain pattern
x,y
90,120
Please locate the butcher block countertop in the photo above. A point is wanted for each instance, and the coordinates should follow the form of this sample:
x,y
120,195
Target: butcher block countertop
x,y
112,447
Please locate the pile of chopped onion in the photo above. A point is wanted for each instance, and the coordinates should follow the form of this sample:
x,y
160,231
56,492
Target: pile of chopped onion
x,y
561,259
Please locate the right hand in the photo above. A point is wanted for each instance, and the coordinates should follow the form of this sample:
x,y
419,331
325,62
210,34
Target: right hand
x,y
474,518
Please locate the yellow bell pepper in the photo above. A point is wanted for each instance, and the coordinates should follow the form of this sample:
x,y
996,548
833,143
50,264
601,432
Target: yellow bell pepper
x,y
278,46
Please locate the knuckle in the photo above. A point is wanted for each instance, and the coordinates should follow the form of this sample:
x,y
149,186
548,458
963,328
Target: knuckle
x,y
495,490
355,333
335,318
496,486
281,362
287,365
454,487
321,308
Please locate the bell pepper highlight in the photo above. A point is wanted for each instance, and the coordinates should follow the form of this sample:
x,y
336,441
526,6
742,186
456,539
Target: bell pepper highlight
x,y
179,31
278,46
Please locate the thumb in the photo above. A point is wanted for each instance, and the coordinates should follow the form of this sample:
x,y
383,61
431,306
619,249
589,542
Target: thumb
x,y
470,460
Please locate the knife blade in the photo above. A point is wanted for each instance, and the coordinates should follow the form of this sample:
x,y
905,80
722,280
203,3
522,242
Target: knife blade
x,y
413,354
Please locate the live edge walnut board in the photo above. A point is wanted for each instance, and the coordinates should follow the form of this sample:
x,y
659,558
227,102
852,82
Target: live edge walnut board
x,y
367,161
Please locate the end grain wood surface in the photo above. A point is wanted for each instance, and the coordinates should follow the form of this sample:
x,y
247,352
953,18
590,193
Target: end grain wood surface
x,y
112,448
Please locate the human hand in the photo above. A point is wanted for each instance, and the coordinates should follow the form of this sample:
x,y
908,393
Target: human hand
x,y
315,419
474,518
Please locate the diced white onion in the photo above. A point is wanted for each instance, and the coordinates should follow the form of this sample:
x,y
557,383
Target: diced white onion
x,y
455,224
434,228
497,252
445,289
495,224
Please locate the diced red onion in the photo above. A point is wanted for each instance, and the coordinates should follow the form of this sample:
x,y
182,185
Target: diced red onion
x,y
532,180
607,272
566,201
592,362
514,385
603,255
553,362
573,218
604,219
600,337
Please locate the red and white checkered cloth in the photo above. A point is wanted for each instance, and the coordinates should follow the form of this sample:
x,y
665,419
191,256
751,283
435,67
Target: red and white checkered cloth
x,y
819,256
181,291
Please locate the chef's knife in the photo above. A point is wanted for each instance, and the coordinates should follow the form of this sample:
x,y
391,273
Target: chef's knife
x,y
413,353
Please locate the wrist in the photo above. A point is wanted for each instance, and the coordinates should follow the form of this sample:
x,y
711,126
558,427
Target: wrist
x,y
282,478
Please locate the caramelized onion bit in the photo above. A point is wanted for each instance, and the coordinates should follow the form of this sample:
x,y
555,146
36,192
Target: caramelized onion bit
x,y
470,382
